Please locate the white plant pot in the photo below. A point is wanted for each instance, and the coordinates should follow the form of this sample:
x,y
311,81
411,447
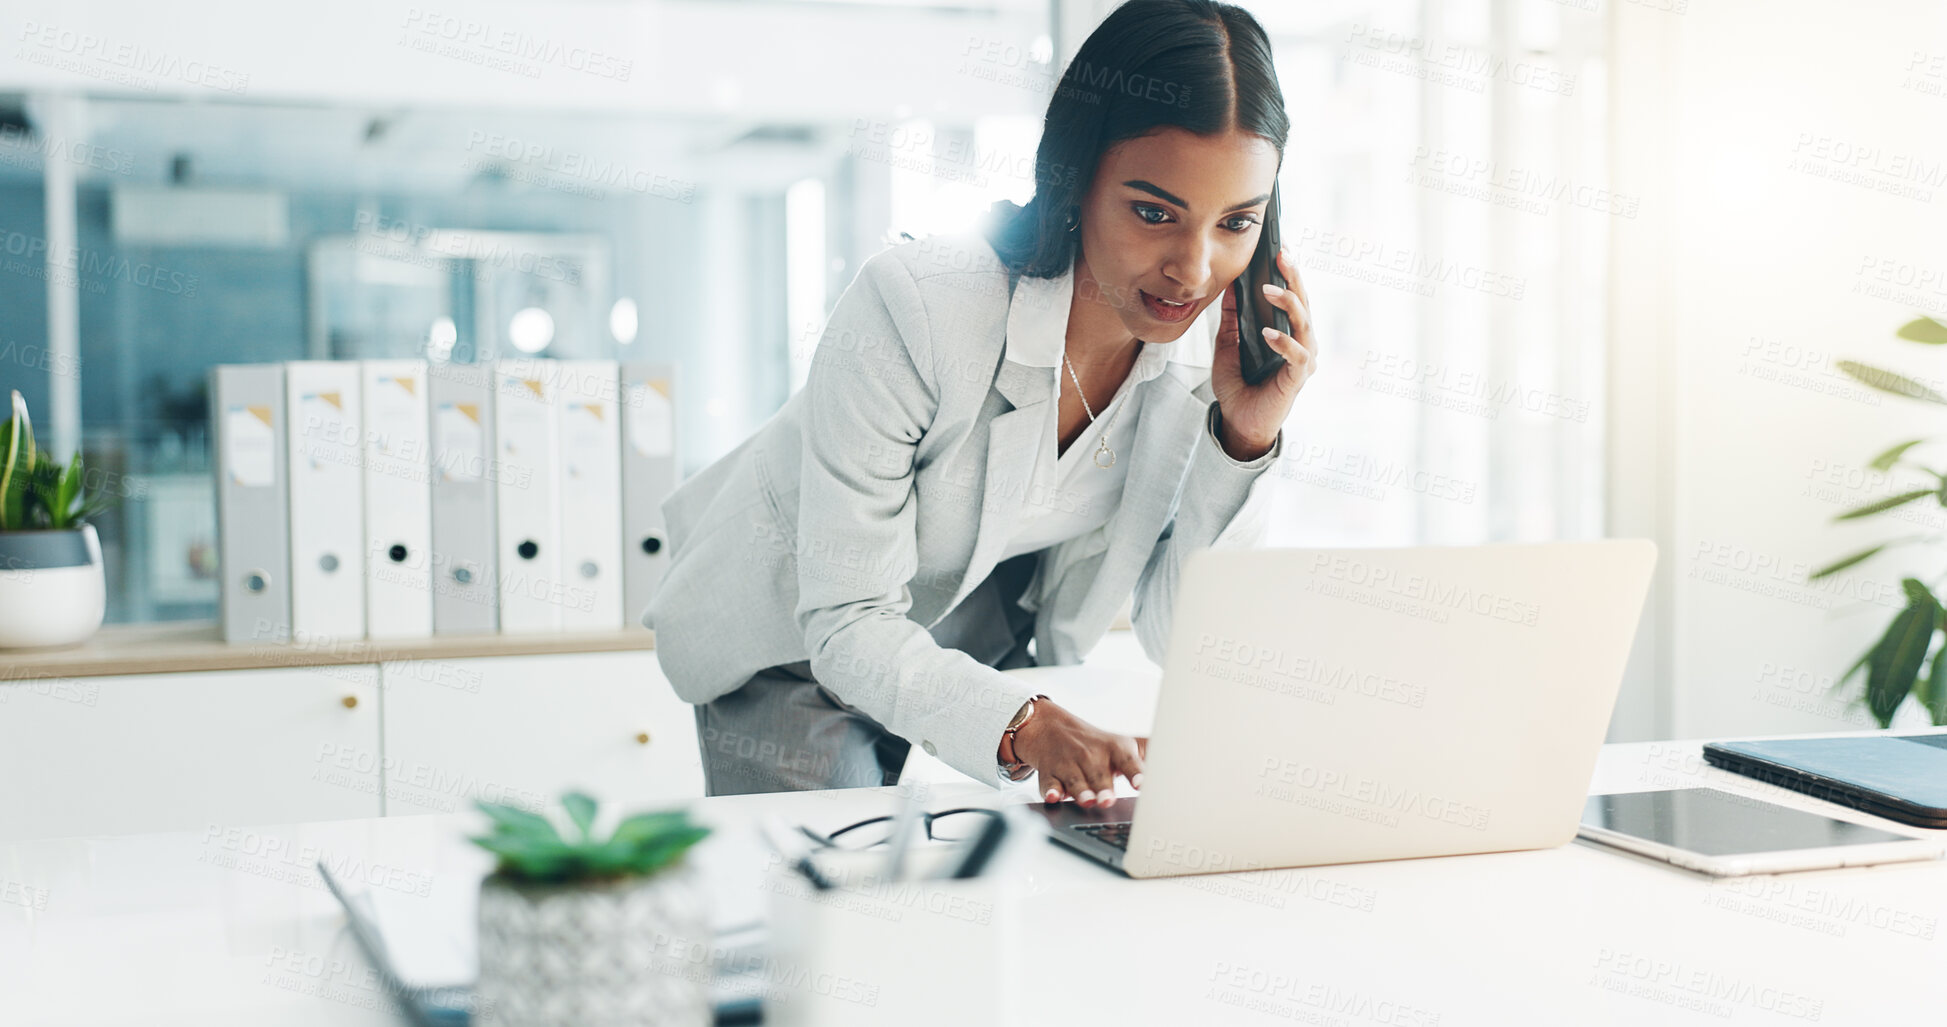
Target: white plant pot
x,y
52,592
635,951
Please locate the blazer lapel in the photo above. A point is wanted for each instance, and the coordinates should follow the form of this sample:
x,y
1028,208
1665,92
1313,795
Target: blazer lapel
x,y
1013,441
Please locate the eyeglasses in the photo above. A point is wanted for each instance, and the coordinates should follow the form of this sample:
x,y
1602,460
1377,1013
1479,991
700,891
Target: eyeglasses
x,y
952,825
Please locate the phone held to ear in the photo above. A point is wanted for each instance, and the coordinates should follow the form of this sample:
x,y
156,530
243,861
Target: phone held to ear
x,y
1255,357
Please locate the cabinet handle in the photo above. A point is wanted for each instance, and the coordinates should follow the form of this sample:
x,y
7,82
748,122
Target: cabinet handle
x,y
350,701
642,738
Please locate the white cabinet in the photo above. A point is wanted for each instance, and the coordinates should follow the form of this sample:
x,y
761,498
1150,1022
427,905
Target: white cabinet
x,y
231,748
172,752
523,729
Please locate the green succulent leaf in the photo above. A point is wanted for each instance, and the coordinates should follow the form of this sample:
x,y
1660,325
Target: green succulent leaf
x,y
29,455
530,849
1888,381
655,853
37,491
1883,505
516,822
528,858
581,810
1895,661
1886,460
643,855
66,508
16,466
1926,330
649,825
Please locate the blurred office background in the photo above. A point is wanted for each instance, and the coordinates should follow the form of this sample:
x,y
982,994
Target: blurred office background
x,y
1581,268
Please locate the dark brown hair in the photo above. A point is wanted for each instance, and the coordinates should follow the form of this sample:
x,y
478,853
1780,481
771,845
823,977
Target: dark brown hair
x,y
1193,64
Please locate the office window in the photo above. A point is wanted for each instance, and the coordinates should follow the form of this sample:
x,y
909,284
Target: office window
x,y
1444,192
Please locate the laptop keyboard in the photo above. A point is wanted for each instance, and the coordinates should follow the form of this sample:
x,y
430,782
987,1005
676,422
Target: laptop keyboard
x,y
1116,834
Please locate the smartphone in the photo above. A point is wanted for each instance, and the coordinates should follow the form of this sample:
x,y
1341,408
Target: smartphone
x,y
1255,357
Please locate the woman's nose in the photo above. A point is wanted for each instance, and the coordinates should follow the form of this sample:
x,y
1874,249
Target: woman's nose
x,y
1190,265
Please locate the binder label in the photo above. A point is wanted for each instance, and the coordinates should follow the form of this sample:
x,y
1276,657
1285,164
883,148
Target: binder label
x,y
581,437
652,426
459,442
252,450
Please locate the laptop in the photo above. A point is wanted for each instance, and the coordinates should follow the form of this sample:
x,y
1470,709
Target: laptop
x,y
1343,705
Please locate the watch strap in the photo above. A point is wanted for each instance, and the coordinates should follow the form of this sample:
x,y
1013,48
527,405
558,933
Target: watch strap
x,y
1011,768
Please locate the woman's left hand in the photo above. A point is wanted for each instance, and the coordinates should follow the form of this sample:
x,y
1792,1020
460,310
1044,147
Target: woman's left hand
x,y
1252,414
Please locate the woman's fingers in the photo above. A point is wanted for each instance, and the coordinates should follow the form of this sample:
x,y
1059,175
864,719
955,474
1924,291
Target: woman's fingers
x,y
1075,760
1299,346
1099,774
1128,762
1296,353
1290,269
1295,308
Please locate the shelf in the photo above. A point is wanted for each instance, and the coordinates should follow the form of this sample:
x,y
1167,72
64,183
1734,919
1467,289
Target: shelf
x,y
187,646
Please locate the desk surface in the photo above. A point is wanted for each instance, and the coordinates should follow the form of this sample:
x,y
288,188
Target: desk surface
x,y
231,926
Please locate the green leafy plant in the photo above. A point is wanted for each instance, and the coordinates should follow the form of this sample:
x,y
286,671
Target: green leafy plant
x,y
36,492
532,851
1894,664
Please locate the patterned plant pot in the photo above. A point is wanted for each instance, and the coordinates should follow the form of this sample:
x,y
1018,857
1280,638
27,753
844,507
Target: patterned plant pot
x,y
52,592
633,951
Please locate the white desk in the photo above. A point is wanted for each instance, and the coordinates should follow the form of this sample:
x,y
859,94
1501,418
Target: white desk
x,y
188,929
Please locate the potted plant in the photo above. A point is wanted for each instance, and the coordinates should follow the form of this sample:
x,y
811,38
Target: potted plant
x,y
52,592
1894,663
586,930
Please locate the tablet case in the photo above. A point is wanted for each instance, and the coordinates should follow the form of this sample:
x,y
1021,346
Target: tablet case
x,y
1899,777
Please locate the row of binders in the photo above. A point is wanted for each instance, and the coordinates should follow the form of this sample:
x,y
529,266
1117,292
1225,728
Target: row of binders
x,y
399,499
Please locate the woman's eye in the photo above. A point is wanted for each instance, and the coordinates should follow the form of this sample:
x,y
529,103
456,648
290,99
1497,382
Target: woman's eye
x,y
1143,211
1241,225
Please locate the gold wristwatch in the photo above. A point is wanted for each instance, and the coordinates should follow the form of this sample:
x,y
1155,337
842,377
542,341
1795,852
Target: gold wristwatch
x,y
1011,768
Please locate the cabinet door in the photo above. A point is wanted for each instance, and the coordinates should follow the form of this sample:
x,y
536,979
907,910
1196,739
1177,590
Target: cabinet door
x,y
523,729
171,752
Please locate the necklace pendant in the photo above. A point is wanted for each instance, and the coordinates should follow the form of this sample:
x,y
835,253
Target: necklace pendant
x,y
1102,450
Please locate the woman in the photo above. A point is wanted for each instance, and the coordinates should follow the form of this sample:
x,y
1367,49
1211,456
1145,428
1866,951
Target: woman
x,y
1001,437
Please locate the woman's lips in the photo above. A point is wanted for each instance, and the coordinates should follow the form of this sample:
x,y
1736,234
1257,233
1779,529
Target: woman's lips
x,y
1166,312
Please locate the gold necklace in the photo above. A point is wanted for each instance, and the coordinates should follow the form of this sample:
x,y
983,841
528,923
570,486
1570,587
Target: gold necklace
x,y
1102,442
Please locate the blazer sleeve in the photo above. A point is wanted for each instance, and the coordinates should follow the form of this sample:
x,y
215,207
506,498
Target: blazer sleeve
x,y
1223,504
870,395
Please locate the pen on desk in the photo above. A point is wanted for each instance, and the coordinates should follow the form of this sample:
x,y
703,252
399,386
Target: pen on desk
x,y
981,850
768,830
805,867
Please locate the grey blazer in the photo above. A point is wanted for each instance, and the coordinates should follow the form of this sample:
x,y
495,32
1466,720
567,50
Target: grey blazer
x,y
884,490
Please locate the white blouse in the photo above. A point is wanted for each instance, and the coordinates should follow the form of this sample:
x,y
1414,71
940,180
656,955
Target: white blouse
x,y
1070,495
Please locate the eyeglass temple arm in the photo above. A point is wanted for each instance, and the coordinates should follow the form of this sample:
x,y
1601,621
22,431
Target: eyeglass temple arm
x,y
815,836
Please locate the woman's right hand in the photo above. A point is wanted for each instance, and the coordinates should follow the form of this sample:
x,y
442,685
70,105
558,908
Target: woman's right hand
x,y
1076,758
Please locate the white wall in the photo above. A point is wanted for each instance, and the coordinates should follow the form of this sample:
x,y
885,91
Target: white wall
x,y
1754,269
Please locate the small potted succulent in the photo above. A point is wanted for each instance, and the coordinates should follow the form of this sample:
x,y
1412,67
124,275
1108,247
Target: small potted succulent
x,y
583,929
52,592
